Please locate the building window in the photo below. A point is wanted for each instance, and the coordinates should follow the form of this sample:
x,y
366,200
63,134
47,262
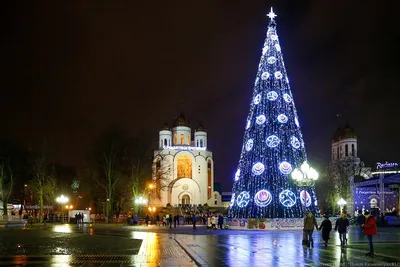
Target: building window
x,y
201,142
215,202
184,167
346,150
188,140
353,151
182,139
209,179
197,143
175,139
165,142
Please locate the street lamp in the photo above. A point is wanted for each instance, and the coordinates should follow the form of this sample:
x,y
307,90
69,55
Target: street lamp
x,y
341,202
140,202
305,177
62,200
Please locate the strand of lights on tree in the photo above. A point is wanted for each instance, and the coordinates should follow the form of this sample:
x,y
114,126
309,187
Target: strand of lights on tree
x,y
272,144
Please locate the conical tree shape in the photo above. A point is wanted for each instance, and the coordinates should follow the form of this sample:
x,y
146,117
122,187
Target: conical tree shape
x,y
273,145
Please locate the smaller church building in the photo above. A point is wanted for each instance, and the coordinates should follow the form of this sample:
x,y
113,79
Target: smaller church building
x,y
183,167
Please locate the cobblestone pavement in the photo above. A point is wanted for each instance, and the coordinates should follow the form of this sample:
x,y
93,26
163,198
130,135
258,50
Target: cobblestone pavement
x,y
116,245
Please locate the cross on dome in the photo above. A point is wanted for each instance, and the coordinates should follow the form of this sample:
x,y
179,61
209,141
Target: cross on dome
x,y
271,14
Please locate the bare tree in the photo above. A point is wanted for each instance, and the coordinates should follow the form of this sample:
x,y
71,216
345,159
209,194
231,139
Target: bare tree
x,y
6,184
339,176
43,182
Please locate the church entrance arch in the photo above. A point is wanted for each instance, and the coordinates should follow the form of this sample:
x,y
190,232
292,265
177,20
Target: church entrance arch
x,y
185,199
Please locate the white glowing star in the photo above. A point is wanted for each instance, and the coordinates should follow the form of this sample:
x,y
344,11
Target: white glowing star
x,y
271,14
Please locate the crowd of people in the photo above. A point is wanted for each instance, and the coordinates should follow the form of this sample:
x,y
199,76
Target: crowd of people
x,y
212,221
366,226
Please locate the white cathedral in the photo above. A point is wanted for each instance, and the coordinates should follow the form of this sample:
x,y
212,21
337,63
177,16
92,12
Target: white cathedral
x,y
183,168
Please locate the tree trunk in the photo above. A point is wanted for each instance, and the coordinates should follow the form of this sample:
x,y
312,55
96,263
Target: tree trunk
x,y
5,211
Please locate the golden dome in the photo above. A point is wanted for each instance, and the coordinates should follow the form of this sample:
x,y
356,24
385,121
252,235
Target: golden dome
x,y
344,133
181,121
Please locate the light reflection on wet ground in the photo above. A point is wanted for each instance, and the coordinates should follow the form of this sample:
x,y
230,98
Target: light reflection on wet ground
x,y
70,245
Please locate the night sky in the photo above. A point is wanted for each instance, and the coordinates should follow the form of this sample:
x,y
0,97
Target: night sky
x,y
73,71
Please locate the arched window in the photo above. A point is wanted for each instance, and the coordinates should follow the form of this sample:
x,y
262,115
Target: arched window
x,y
184,167
165,142
197,143
158,175
182,139
201,142
353,151
346,150
175,139
188,140
209,179
185,200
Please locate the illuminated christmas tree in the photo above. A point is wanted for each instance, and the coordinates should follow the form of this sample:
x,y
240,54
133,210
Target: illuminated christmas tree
x,y
273,145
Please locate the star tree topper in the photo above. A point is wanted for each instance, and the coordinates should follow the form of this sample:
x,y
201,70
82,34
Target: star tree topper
x,y
271,14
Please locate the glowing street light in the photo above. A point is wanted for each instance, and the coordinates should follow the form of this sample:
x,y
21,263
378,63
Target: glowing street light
x,y
341,202
62,200
151,186
305,176
141,201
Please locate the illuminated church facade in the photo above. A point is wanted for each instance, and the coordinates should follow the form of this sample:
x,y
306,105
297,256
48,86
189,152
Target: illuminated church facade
x,y
183,167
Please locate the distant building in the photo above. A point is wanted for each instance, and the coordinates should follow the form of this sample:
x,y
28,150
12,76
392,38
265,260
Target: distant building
x,y
183,167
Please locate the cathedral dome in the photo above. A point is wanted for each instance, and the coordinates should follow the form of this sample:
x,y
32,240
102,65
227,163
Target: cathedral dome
x,y
200,128
181,121
344,133
165,127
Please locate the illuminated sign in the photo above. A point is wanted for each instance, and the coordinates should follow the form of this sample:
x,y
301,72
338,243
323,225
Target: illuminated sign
x,y
386,165
185,148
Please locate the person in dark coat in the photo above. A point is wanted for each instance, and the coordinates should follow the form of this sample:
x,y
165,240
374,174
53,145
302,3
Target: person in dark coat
x,y
370,230
341,226
360,221
220,221
309,223
326,227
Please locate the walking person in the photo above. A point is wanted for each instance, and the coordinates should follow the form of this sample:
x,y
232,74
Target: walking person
x,y
194,219
360,222
370,230
220,221
341,226
326,227
309,223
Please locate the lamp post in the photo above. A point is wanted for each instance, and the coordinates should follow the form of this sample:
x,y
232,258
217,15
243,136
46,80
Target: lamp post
x,y
140,202
341,202
62,200
305,176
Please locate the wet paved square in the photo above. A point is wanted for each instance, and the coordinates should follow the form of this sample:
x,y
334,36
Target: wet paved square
x,y
116,245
